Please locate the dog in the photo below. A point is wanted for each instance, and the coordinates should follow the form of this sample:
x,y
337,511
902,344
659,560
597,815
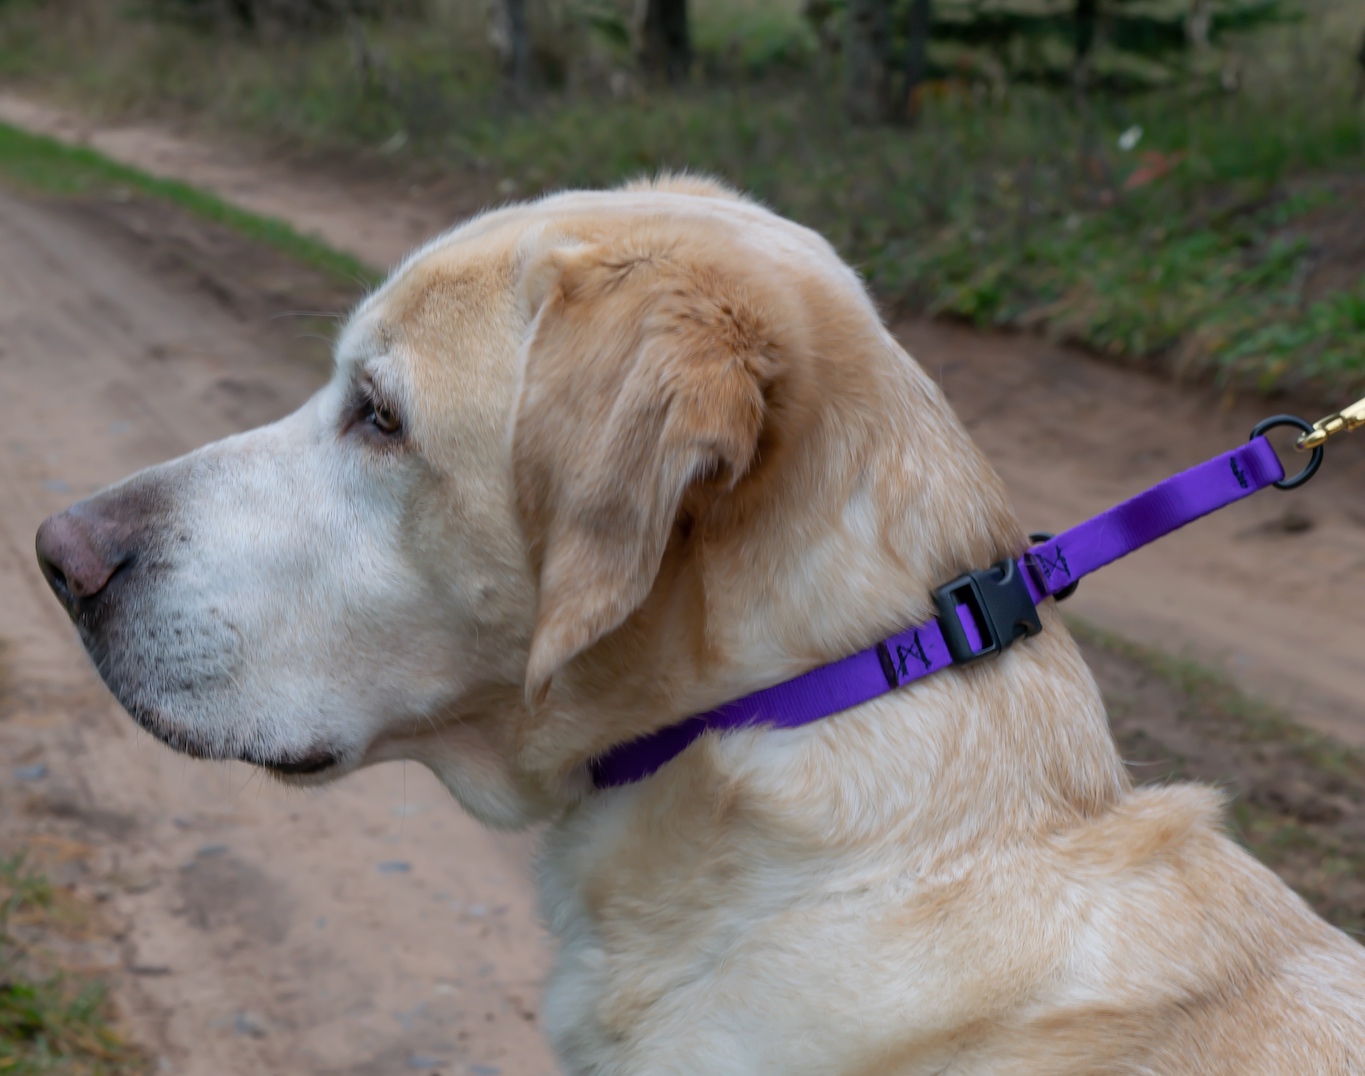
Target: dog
x,y
589,465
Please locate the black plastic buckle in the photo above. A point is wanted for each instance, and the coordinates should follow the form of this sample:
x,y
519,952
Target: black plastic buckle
x,y
999,600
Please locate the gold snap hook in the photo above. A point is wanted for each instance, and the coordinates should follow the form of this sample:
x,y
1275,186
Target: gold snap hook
x,y
1344,421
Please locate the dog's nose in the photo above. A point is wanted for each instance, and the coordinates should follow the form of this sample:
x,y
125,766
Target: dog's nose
x,y
79,551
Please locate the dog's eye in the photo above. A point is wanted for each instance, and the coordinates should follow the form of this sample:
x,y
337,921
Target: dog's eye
x,y
377,415
382,417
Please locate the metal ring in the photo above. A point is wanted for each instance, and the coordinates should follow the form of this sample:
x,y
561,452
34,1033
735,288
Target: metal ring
x,y
1304,427
1046,536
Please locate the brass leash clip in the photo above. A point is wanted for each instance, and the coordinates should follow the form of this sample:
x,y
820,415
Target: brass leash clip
x,y
1344,421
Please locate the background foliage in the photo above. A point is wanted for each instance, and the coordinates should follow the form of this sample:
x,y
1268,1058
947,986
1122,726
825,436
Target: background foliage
x,y
1204,216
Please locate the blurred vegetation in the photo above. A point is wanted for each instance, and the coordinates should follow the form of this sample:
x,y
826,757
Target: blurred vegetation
x,y
1142,45
1203,217
49,1022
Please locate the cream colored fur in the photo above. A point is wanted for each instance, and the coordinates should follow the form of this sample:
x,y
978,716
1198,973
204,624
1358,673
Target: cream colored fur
x,y
659,451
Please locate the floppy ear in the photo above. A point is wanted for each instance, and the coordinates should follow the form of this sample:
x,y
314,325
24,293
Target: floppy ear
x,y
644,376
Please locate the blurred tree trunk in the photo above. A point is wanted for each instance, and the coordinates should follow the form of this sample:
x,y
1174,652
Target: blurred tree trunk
x,y
510,32
1199,24
1087,21
1360,76
243,12
868,96
665,45
916,54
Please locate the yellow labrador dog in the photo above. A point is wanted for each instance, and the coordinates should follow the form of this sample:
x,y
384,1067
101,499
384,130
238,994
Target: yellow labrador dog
x,y
593,464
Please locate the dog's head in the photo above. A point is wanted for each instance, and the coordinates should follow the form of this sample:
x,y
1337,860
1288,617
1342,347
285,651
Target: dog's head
x,y
584,466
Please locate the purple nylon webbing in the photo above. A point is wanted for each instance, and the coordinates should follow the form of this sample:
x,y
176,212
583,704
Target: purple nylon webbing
x,y
1165,507
921,651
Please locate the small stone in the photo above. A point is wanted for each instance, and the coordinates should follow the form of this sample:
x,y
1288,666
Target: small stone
x,y
30,773
251,1024
395,866
1296,522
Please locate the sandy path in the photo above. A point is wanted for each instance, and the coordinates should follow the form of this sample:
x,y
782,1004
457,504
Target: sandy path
x,y
1272,589
369,928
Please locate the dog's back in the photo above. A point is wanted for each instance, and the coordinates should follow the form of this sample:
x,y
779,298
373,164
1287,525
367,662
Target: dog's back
x,y
1191,957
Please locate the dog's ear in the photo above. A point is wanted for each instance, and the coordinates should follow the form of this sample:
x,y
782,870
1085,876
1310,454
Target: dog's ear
x,y
645,375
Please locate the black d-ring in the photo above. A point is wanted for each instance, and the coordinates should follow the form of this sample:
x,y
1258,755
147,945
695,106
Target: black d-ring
x,y
1314,462
1037,538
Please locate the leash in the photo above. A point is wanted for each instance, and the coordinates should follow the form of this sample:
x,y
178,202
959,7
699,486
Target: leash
x,y
984,612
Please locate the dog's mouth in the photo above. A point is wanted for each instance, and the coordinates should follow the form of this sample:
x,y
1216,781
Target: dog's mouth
x,y
305,765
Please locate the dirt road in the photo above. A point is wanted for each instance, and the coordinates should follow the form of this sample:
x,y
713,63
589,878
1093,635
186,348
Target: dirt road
x,y
1272,590
371,928
367,929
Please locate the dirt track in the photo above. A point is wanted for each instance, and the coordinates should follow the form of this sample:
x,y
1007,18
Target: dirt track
x,y
1272,590
371,928
367,929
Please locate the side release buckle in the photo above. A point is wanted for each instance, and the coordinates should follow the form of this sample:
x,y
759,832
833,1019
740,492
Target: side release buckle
x,y
997,599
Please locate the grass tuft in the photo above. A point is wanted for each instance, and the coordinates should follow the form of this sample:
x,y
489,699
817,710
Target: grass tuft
x,y
49,1023
43,165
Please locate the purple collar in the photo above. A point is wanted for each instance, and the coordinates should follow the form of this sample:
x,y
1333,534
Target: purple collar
x,y
980,613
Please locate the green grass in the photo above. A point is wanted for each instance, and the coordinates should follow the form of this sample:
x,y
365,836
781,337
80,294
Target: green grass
x,y
1006,207
49,1023
1155,277
1014,213
43,165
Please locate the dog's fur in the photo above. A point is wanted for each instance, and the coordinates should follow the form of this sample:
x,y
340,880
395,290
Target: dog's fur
x,y
658,451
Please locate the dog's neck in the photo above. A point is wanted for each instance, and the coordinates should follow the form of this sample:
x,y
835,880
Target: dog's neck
x,y
867,514
847,826
694,890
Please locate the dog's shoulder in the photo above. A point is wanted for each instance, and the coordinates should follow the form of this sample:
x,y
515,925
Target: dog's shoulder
x,y
1190,956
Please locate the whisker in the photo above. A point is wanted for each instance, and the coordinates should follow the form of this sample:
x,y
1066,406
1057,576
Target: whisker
x,y
330,315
